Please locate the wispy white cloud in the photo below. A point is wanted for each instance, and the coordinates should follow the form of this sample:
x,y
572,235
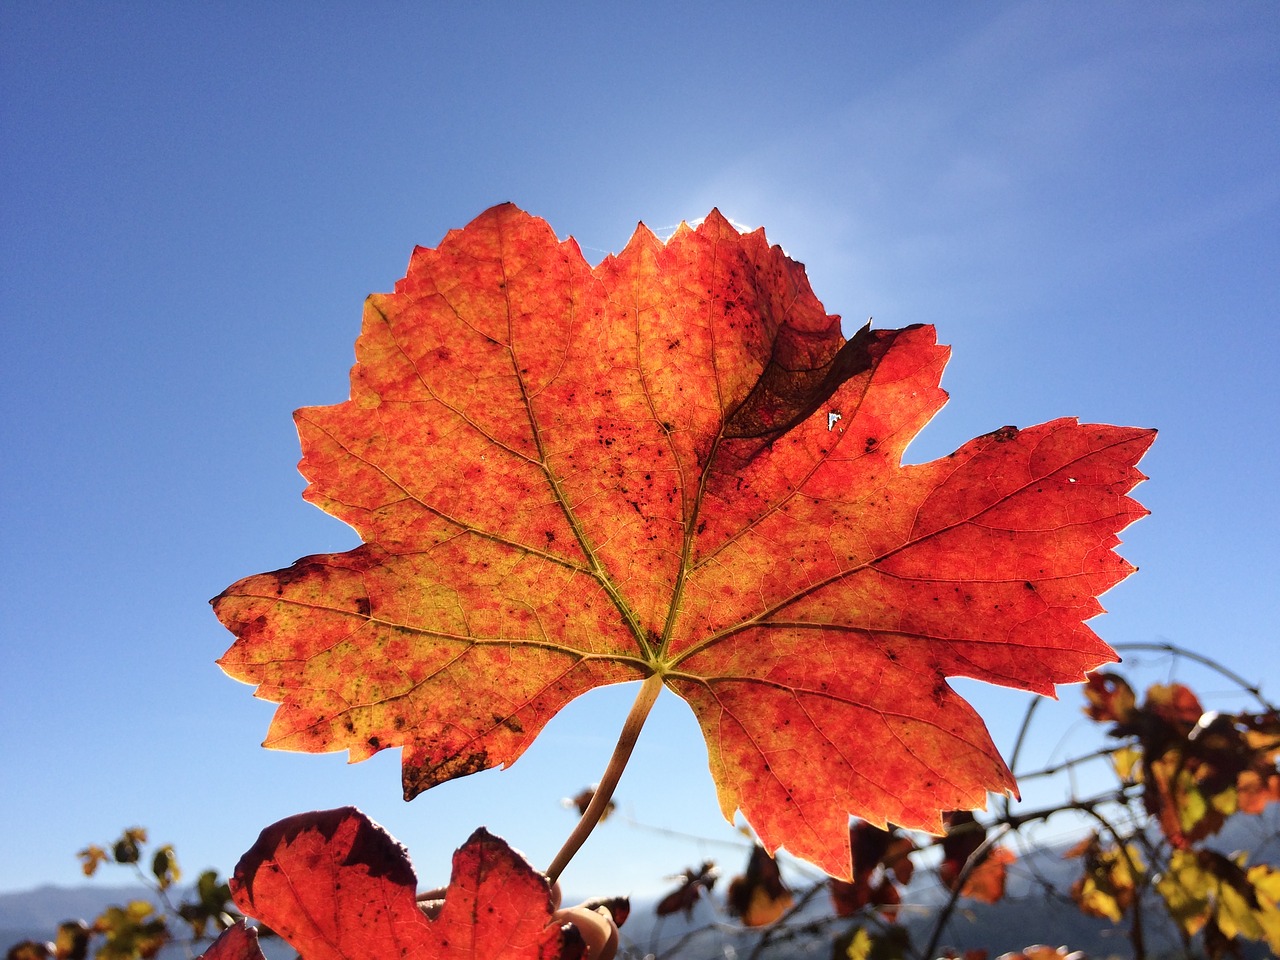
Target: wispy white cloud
x,y
1032,153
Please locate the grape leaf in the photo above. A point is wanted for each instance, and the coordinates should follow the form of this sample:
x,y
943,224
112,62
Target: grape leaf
x,y
1110,698
692,885
336,886
982,878
758,896
986,882
879,858
582,799
673,465
1197,767
1234,899
237,942
1109,884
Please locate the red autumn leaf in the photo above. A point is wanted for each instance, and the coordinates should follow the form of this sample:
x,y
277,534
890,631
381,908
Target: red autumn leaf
x,y
1256,792
1174,703
237,942
674,466
1110,697
986,881
336,886
984,878
692,885
879,857
619,907
965,836
847,899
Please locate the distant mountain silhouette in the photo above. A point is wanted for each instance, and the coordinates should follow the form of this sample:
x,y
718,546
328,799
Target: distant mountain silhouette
x,y
43,908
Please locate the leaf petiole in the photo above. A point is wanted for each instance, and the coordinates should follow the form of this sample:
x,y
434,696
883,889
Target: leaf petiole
x,y
649,691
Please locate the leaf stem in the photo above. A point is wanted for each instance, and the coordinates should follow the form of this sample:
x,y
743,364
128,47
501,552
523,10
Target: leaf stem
x,y
649,691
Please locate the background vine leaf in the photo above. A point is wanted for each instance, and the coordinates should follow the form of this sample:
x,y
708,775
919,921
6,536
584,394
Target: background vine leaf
x,y
758,896
694,882
674,464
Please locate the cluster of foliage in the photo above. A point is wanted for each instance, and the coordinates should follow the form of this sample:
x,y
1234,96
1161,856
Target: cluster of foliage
x,y
669,468
139,929
1149,866
1191,769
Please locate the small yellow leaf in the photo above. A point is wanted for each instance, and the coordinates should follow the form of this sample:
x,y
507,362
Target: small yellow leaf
x,y
164,867
859,945
1226,802
1108,887
1126,761
138,909
90,857
1266,880
1185,889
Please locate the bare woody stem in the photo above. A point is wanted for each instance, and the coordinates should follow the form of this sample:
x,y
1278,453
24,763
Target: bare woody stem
x,y
649,691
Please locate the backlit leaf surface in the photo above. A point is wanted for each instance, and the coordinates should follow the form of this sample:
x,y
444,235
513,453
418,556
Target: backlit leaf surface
x,y
237,942
673,463
336,886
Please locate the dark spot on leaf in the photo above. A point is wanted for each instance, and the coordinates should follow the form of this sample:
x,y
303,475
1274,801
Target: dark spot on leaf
x,y
362,606
299,570
416,780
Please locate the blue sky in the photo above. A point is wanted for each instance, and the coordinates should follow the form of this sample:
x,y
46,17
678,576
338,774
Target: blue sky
x,y
196,198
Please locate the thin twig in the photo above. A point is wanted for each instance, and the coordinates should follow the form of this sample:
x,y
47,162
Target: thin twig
x,y
1176,651
970,865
